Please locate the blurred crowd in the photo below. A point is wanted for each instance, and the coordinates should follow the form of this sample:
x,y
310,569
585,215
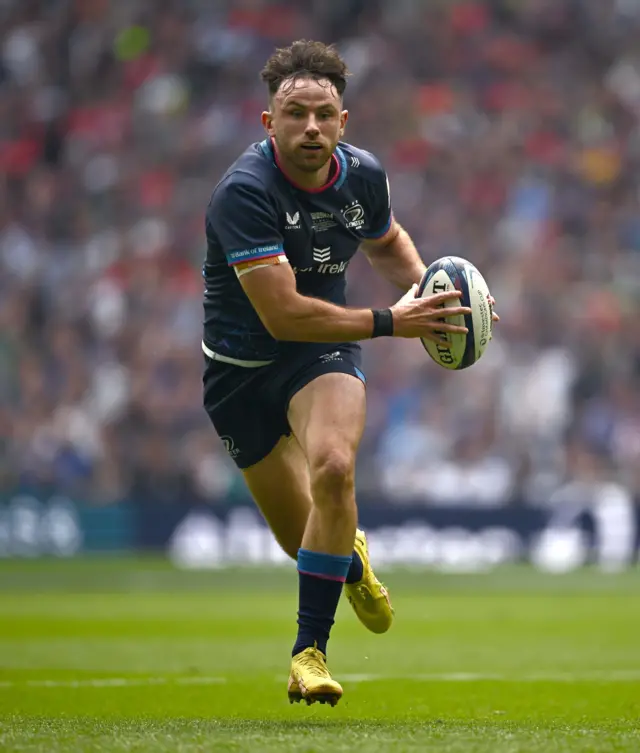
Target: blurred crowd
x,y
511,134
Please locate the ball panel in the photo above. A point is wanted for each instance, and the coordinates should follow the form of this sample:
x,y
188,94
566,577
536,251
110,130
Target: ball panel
x,y
440,281
426,278
482,311
449,273
468,358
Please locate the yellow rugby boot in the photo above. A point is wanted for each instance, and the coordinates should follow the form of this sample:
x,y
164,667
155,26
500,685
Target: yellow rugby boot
x,y
368,597
310,679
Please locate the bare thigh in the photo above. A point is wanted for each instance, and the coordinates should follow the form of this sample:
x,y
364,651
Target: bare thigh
x,y
327,418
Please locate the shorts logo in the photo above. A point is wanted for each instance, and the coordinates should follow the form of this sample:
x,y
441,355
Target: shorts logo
x,y
329,357
230,447
354,215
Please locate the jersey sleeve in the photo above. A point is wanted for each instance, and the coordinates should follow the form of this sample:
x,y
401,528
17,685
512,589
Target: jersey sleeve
x,y
381,204
243,223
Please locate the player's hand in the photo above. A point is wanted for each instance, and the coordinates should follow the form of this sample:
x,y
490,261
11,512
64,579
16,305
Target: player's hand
x,y
494,316
425,317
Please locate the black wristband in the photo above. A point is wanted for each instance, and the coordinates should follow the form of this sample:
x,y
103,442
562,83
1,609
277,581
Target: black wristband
x,y
382,323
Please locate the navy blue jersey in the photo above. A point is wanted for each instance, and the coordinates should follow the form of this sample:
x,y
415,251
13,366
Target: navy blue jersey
x,y
256,212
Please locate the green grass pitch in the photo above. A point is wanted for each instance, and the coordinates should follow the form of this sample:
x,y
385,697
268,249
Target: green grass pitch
x,y
132,655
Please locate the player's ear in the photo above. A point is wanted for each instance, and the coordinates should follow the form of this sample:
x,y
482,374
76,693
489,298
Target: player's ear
x,y
267,122
344,116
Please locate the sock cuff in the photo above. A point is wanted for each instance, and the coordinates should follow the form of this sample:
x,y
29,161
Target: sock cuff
x,y
326,566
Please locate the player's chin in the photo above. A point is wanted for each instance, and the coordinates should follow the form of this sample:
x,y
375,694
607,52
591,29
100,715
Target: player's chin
x,y
312,159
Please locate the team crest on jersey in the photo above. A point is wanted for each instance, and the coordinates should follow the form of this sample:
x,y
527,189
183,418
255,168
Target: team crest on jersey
x,y
353,215
293,221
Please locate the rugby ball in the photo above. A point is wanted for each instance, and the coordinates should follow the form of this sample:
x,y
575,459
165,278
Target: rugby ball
x,y
454,273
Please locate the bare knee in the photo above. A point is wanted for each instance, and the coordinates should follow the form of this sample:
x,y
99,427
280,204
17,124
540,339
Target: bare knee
x,y
332,473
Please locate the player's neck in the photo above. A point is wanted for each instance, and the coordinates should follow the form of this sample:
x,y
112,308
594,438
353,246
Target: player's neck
x,y
307,181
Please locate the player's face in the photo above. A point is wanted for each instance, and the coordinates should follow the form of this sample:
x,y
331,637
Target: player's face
x,y
306,121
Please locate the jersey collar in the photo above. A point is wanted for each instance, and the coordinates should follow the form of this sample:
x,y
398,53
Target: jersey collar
x,y
337,179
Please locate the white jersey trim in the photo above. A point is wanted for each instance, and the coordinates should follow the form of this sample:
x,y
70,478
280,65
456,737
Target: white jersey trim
x,y
266,263
234,361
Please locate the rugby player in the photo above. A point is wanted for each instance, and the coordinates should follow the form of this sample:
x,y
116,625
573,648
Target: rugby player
x,y
283,384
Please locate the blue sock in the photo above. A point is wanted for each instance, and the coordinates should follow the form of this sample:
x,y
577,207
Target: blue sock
x,y
321,578
356,569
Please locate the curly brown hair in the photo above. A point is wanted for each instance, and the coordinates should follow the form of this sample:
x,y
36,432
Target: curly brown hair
x,y
305,59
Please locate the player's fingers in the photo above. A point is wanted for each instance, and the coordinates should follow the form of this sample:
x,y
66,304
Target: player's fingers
x,y
410,295
438,298
449,311
445,327
495,317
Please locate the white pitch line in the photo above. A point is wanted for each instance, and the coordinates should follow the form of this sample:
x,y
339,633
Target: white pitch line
x,y
623,675
113,682
630,675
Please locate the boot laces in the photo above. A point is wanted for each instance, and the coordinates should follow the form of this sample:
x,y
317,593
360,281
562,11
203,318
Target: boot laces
x,y
314,664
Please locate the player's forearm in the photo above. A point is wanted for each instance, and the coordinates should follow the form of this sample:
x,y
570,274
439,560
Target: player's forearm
x,y
398,260
315,320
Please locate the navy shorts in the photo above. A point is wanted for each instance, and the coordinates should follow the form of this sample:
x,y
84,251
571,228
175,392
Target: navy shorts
x,y
248,406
